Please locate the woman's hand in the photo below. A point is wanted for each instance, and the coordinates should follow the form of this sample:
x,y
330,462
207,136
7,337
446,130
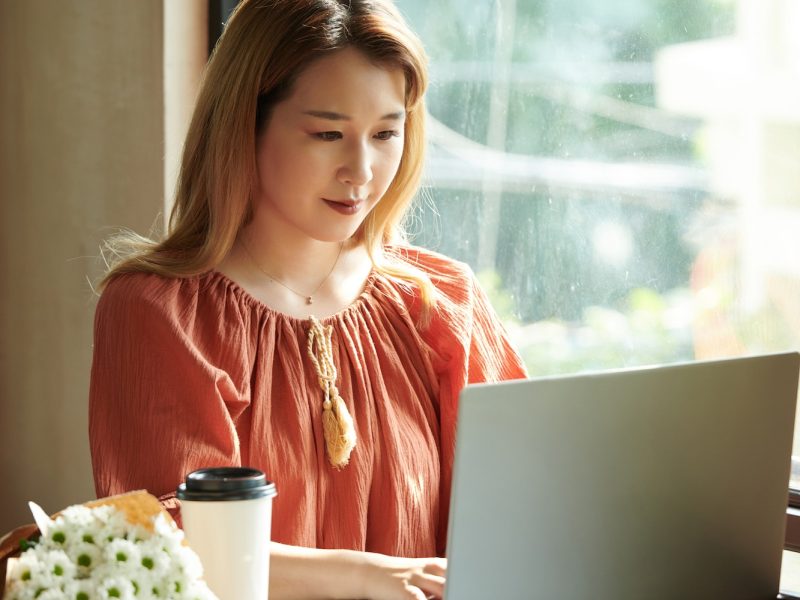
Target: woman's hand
x,y
392,578
304,573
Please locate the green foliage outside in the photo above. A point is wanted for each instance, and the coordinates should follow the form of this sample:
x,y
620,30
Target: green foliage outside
x,y
582,88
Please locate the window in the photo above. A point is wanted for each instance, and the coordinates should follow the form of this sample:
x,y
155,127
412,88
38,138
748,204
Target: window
x,y
622,175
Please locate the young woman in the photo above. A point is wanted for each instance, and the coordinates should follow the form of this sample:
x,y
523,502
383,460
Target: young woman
x,y
284,323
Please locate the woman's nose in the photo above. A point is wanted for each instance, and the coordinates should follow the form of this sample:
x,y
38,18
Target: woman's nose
x,y
356,169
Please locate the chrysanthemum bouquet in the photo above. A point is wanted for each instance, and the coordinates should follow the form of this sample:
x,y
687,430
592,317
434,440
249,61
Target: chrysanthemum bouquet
x,y
99,553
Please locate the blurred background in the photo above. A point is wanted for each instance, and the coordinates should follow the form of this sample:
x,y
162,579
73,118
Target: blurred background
x,y
623,175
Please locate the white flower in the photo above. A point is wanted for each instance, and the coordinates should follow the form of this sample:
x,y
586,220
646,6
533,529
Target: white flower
x,y
124,553
146,593
20,593
40,582
85,557
189,562
143,584
79,516
52,594
27,566
80,586
78,525
31,573
176,586
165,528
57,536
116,587
153,558
57,564
158,589
112,526
171,544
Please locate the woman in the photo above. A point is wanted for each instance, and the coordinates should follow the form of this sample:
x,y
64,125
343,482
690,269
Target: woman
x,y
284,324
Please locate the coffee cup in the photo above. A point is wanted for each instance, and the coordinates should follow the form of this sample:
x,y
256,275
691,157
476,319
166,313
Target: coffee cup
x,y
227,518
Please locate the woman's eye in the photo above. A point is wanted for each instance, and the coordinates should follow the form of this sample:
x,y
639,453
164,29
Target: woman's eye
x,y
332,136
328,136
387,135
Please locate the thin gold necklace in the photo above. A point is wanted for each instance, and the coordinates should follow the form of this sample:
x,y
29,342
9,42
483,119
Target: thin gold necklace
x,y
308,297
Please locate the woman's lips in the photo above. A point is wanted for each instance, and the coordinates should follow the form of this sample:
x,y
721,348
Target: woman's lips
x,y
345,207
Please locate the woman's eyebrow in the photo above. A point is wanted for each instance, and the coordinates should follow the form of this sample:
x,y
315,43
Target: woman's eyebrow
x,y
334,116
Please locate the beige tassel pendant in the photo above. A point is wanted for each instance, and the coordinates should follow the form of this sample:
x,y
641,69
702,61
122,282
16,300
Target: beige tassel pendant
x,y
337,424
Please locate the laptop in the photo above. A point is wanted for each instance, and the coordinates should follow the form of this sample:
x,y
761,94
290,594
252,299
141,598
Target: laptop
x,y
660,482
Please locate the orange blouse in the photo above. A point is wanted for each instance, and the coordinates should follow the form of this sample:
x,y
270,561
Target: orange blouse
x,y
193,373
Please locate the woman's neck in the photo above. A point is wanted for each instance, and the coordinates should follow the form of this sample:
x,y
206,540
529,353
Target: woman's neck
x,y
289,257
333,273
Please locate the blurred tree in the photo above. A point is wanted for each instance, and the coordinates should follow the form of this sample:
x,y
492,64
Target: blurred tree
x,y
581,90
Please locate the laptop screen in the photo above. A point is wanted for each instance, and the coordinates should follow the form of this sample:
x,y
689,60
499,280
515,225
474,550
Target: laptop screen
x,y
661,482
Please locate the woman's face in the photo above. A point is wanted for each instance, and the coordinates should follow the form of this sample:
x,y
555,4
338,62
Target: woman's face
x,y
330,150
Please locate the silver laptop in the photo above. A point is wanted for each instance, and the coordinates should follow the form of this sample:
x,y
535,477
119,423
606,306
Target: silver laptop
x,y
654,483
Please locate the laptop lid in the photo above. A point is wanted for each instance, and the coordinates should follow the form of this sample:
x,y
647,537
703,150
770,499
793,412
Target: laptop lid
x,y
661,482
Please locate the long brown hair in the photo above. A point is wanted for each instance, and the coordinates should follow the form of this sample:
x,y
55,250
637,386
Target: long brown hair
x,y
265,45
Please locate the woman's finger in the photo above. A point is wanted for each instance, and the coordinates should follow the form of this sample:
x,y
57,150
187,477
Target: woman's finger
x,y
437,566
414,593
430,584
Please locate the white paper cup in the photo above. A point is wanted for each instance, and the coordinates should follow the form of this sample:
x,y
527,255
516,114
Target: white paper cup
x,y
227,518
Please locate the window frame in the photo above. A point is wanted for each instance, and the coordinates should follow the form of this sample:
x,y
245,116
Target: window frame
x,y
792,538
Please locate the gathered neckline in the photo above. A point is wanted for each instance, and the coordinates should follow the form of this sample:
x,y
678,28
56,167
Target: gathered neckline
x,y
248,298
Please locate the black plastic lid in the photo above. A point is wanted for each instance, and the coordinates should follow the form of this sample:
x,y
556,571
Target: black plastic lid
x,y
226,483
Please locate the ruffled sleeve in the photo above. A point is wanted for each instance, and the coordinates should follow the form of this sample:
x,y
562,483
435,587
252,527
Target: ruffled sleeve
x,y
470,345
158,407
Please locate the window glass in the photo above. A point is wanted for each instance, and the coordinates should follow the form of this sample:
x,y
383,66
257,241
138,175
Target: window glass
x,y
621,175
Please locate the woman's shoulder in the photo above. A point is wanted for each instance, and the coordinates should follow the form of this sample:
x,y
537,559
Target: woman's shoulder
x,y
438,267
176,312
145,295
145,288
455,289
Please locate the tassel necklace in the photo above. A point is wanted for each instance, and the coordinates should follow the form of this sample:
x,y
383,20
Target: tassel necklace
x,y
337,423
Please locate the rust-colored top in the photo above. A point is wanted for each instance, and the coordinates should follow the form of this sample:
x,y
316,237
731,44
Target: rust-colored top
x,y
193,373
